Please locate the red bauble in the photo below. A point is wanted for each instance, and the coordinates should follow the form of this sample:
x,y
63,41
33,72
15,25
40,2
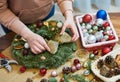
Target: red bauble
x,y
106,24
43,71
39,24
87,18
111,37
76,61
22,69
106,50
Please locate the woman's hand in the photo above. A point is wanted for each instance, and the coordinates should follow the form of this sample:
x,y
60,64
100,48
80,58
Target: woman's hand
x,y
69,23
37,43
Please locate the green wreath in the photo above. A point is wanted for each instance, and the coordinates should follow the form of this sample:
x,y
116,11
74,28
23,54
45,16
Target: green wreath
x,y
48,30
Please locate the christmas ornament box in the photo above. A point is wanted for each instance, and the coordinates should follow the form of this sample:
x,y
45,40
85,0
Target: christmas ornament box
x,y
97,45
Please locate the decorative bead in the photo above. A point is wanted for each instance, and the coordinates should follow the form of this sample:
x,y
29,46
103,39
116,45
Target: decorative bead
x,y
78,66
43,71
95,27
54,73
92,56
82,24
106,37
86,72
73,69
26,45
99,22
88,26
91,39
87,18
108,28
90,31
76,61
59,24
102,14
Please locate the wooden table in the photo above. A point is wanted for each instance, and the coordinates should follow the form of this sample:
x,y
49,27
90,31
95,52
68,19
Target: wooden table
x,y
5,42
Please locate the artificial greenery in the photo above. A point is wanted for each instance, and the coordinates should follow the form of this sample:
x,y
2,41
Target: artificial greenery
x,y
31,60
79,78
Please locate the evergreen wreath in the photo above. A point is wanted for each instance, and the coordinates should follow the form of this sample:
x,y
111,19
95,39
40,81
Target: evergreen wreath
x,y
48,30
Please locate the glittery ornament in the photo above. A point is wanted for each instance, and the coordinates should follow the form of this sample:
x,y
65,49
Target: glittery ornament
x,y
73,68
99,36
106,24
90,31
76,61
78,66
43,71
25,52
99,22
106,37
92,56
87,18
59,24
108,28
54,73
86,72
95,27
22,69
39,24
102,14
26,45
88,26
111,37
106,50
91,39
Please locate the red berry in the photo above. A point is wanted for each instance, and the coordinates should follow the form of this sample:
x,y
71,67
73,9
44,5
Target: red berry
x,y
106,24
76,61
87,18
106,50
43,71
22,69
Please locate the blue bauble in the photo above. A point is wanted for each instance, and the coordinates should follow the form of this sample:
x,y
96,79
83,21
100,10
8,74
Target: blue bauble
x,y
102,14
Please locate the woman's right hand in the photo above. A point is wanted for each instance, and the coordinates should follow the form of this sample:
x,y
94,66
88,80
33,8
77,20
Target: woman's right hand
x,y
37,43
